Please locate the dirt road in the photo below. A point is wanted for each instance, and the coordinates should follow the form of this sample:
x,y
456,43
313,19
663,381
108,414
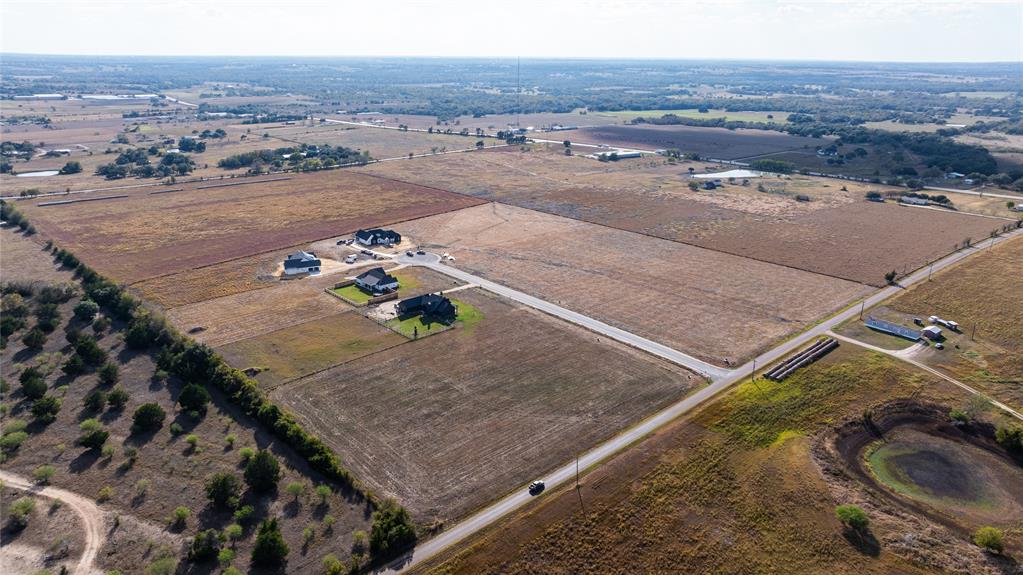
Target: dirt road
x,y
92,517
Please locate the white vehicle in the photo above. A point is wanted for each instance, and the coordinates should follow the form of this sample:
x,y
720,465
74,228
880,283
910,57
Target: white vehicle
x,y
945,322
351,259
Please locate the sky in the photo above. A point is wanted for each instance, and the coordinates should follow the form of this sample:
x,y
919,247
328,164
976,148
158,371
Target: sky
x,y
865,30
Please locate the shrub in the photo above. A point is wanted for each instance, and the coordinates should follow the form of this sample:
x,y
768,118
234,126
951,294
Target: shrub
x,y
959,416
141,486
12,441
43,474
205,546
392,531
359,542
852,516
233,532
243,513
332,565
192,439
14,425
194,398
181,515
86,310
989,538
19,512
32,384
108,374
308,534
230,439
162,566
93,435
117,398
225,557
323,492
46,408
270,548
222,489
231,571
262,472
1010,438
90,351
176,428
246,453
328,522
109,451
295,489
100,325
105,493
73,365
148,416
95,400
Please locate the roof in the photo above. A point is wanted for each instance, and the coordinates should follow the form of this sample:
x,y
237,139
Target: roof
x,y
429,304
301,260
729,174
376,232
892,328
932,329
376,277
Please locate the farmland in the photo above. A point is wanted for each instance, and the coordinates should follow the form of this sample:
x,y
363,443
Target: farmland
x,y
380,142
649,286
836,233
741,482
484,410
707,142
693,113
147,235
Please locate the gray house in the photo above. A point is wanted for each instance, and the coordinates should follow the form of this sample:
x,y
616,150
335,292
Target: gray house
x,y
377,281
301,263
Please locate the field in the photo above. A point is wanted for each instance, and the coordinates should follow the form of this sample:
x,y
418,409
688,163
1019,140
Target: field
x,y
147,235
837,233
652,287
141,478
491,123
486,408
984,292
709,142
736,488
764,117
379,142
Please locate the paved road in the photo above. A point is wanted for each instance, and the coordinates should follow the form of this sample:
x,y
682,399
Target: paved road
x,y
906,356
720,382
976,193
92,517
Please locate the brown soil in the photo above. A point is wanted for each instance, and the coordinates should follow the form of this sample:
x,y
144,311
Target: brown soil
x,y
53,538
710,142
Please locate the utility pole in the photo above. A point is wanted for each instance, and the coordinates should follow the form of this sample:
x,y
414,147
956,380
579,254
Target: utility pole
x,y
929,271
577,471
862,305
974,332
753,374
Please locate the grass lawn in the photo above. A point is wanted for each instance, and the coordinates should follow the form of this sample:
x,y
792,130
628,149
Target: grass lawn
x,y
468,315
353,293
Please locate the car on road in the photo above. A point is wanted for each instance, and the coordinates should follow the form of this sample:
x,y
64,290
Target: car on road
x,y
536,487
351,259
409,253
420,253
366,253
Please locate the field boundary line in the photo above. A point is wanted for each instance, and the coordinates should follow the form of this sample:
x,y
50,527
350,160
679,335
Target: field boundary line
x,y
298,379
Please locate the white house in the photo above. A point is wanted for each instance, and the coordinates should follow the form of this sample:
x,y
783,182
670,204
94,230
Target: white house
x,y
377,281
301,263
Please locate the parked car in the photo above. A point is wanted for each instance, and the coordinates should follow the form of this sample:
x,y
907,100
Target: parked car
x,y
409,253
536,487
351,259
918,321
366,253
420,253
939,345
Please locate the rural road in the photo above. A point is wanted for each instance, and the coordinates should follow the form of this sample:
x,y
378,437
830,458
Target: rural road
x,y
721,380
92,517
907,357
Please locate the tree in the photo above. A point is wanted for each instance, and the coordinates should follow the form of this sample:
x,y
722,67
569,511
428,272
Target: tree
x,y
32,384
295,489
147,417
95,400
270,548
262,472
34,339
19,512
93,435
990,538
194,398
71,167
392,530
852,517
108,374
45,408
890,277
204,546
73,365
90,352
117,398
222,489
86,310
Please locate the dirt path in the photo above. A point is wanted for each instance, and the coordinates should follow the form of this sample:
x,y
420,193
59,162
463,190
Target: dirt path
x,y
92,517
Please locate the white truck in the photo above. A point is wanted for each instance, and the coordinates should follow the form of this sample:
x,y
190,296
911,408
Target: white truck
x,y
945,322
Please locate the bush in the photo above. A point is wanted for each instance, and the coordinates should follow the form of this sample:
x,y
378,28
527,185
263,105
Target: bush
x,y
86,310
35,339
225,557
108,374
959,416
1010,438
19,512
180,517
73,365
246,453
989,538
233,532
95,400
270,548
93,435
105,493
323,492
205,546
222,489
90,351
46,408
244,513
117,398
262,472
43,474
12,441
162,566
194,398
852,517
32,384
100,325
392,531
295,489
148,416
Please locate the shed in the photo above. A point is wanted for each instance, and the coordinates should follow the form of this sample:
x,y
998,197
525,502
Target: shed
x,y
932,332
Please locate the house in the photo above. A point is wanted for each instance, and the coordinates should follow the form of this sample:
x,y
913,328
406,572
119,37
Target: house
x,y
376,236
954,175
301,263
434,306
932,332
914,201
377,281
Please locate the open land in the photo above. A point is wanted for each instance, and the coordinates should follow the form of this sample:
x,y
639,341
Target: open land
x,y
147,235
379,142
837,233
483,410
764,117
709,142
737,488
713,305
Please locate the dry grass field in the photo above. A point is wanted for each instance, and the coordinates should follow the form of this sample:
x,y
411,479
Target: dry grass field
x,y
449,422
22,259
379,142
736,488
984,292
837,233
146,235
710,142
711,304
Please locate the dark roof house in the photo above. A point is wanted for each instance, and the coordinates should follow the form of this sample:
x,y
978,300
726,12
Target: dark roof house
x,y
301,262
377,281
377,236
434,306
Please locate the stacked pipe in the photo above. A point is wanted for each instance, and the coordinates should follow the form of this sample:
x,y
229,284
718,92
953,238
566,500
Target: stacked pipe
x,y
801,359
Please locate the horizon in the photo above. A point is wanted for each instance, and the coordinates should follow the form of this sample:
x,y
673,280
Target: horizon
x,y
882,31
